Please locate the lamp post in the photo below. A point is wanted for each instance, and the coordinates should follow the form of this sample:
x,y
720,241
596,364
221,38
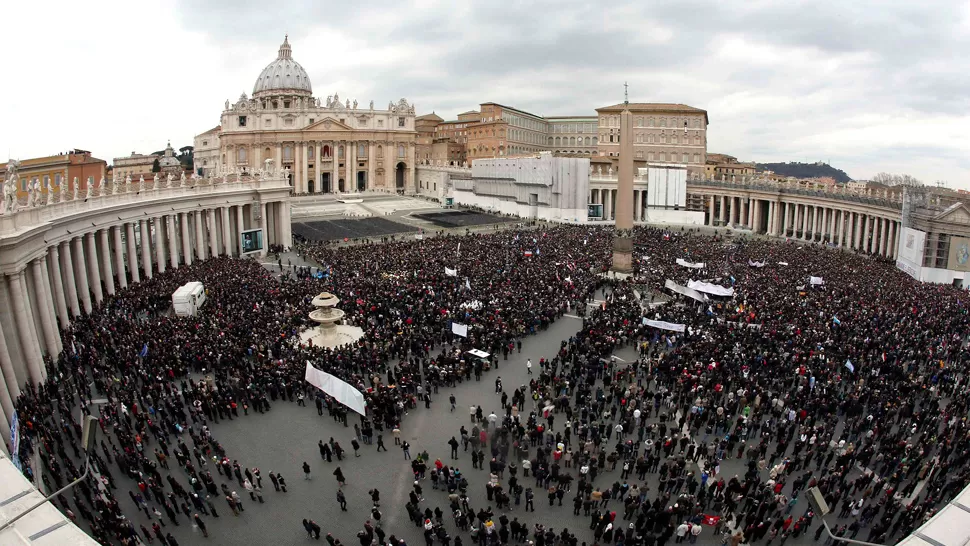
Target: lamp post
x,y
89,432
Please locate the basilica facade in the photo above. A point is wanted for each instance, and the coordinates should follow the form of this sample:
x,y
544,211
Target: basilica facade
x,y
327,146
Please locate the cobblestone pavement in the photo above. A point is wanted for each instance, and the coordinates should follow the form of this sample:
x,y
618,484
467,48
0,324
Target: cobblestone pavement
x,y
282,439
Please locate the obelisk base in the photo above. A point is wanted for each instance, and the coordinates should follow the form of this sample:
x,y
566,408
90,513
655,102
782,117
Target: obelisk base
x,y
622,255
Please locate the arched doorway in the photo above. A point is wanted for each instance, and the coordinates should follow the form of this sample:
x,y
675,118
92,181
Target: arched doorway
x,y
340,185
399,176
309,184
325,183
361,181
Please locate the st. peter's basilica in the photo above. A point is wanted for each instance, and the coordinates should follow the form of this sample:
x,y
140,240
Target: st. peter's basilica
x,y
332,145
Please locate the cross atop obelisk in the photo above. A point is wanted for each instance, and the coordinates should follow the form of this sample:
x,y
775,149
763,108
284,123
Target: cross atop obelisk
x,y
626,95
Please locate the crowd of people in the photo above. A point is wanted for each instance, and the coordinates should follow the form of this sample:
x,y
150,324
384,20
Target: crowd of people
x,y
852,386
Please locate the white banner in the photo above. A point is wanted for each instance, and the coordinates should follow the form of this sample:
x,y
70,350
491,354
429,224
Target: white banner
x,y
756,264
685,263
782,263
684,291
709,288
339,389
459,329
816,281
664,325
451,272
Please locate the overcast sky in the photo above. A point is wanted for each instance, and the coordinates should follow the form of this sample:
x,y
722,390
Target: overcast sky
x,y
867,86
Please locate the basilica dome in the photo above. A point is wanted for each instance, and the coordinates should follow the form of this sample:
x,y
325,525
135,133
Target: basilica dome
x,y
283,76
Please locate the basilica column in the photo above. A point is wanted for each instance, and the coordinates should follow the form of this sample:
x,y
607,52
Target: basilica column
x,y
173,244
240,227
146,248
25,326
106,273
334,166
94,270
352,166
159,225
199,237
286,234
710,211
41,287
9,389
119,250
371,164
894,251
54,257
263,224
81,275
186,241
132,252
226,238
213,234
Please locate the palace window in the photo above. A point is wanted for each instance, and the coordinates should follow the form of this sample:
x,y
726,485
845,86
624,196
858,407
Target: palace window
x,y
639,122
90,181
241,155
242,121
380,123
380,152
287,153
205,142
47,180
663,122
286,104
400,151
400,122
697,158
57,180
310,152
639,155
288,122
340,152
311,120
361,150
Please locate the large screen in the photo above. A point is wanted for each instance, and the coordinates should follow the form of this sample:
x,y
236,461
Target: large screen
x,y
910,256
594,211
251,240
959,259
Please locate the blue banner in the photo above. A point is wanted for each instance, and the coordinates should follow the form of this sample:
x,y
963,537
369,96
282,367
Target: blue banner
x,y
15,442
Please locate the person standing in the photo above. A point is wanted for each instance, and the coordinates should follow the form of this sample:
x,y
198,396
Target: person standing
x,y
340,477
201,524
380,443
356,445
406,448
452,400
306,471
454,447
342,500
528,366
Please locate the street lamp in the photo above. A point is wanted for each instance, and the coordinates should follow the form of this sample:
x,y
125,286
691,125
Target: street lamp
x,y
89,432
817,502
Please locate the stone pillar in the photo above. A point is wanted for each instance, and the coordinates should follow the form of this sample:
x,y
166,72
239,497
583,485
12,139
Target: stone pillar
x,y
226,237
186,240
722,210
159,225
120,259
173,243
94,270
213,234
710,211
885,236
286,236
334,166
372,165
54,257
41,287
146,248
25,326
9,389
623,239
81,275
106,273
51,309
132,252
199,237
264,224
895,240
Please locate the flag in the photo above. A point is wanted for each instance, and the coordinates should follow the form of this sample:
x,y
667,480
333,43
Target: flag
x,y
144,351
848,364
458,251
836,320
528,253
468,285
710,520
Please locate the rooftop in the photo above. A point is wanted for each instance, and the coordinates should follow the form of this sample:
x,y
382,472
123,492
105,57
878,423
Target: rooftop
x,y
659,107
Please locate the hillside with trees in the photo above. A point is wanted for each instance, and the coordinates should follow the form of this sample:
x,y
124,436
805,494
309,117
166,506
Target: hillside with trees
x,y
805,170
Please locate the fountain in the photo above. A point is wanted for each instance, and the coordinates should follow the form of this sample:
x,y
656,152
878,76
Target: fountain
x,y
328,333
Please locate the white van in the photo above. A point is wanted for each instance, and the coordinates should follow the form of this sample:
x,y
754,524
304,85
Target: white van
x,y
188,299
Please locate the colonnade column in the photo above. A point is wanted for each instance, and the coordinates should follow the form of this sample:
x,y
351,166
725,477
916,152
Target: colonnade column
x,y
41,287
186,241
710,211
885,237
94,271
81,275
132,252
226,240
146,247
159,224
9,377
285,228
814,222
213,234
240,226
54,256
199,236
25,327
120,258
173,247
894,251
106,273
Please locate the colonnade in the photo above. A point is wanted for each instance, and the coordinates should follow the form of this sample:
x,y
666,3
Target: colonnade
x,y
60,280
607,198
873,233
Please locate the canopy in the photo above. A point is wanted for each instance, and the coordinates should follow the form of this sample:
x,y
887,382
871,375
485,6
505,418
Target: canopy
x,y
710,288
339,389
479,353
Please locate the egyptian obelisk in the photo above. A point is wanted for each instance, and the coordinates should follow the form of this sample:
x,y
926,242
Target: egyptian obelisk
x,y
623,237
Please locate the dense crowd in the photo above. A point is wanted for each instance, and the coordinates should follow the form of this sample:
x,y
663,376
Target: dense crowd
x,y
852,386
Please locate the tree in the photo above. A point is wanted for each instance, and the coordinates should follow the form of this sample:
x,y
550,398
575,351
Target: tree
x,y
186,157
896,180
155,166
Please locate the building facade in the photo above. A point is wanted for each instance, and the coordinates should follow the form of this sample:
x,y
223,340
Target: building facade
x,y
663,133
325,146
134,165
205,151
58,173
575,135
